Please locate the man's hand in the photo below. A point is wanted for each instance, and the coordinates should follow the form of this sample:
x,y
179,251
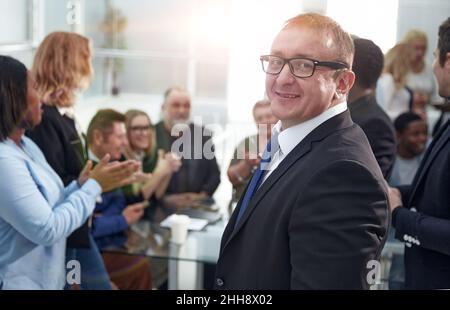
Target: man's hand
x,y
252,160
179,202
134,212
113,175
395,198
174,161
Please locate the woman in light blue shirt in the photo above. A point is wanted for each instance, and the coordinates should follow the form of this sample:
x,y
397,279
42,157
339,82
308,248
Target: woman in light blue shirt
x,y
36,212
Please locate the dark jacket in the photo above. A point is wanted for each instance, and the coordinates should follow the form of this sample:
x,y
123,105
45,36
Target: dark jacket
x,y
108,224
197,173
58,139
316,222
379,130
424,223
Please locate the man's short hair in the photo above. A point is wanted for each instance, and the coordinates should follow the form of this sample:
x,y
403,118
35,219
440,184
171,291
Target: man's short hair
x,y
342,39
13,95
172,89
103,121
403,120
367,63
444,41
260,104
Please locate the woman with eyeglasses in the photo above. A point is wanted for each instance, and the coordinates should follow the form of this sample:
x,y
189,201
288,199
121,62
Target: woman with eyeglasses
x,y
157,167
37,212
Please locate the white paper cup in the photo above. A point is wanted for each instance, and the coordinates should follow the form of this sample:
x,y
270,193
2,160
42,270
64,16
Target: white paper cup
x,y
179,228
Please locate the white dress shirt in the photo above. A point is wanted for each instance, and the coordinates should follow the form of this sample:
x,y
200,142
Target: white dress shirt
x,y
289,138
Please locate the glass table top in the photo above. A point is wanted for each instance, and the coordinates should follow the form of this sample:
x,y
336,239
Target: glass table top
x,y
150,239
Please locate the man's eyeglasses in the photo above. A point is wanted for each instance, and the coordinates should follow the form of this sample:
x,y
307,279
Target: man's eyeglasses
x,y
300,67
140,128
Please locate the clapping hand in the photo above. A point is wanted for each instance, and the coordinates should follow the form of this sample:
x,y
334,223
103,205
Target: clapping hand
x,y
110,175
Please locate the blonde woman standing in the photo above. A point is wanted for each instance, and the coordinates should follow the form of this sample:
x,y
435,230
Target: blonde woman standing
x,y
420,78
62,68
392,93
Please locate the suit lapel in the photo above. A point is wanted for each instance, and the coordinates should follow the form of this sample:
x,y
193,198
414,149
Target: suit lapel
x,y
335,123
434,149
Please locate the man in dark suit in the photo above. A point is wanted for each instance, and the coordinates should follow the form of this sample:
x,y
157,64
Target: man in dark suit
x,y
363,107
315,214
199,175
421,211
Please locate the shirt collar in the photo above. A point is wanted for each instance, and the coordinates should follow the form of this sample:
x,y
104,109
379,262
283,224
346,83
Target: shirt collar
x,y
67,111
92,156
290,137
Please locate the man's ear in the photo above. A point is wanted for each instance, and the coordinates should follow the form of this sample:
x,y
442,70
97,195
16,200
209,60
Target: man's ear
x,y
447,61
97,137
344,82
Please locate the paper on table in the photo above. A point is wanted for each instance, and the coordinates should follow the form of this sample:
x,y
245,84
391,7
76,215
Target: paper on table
x,y
194,223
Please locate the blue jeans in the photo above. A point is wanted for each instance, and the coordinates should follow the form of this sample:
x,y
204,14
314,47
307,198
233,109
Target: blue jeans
x,y
93,272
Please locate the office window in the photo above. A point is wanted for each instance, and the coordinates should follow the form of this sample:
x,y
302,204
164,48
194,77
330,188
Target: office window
x,y
55,15
15,24
147,46
136,76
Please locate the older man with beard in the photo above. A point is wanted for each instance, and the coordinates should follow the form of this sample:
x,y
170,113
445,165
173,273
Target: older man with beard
x,y
199,175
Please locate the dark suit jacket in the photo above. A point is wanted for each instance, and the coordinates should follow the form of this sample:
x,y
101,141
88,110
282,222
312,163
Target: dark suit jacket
x,y
379,130
195,174
316,221
427,264
58,139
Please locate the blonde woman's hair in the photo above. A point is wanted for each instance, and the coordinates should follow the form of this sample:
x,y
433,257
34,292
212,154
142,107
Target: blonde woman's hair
x,y
62,66
130,115
415,34
396,63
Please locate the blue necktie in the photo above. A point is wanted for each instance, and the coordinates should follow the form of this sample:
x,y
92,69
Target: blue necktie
x,y
257,178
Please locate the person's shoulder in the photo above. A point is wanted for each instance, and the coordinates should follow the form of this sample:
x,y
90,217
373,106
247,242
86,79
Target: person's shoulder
x,y
6,149
345,142
378,115
50,118
385,78
50,112
33,148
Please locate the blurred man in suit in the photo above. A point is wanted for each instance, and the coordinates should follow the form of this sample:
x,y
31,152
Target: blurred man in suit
x,y
363,107
315,213
421,211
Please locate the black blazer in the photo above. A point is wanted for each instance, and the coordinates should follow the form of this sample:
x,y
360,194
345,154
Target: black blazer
x,y
196,174
317,220
379,130
427,256
58,139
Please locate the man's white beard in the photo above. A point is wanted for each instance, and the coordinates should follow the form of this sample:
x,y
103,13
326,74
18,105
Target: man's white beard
x,y
181,121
